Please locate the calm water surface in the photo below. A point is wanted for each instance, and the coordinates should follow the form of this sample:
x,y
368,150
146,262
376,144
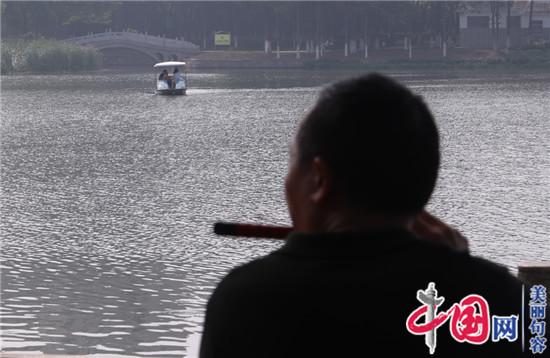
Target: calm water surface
x,y
109,192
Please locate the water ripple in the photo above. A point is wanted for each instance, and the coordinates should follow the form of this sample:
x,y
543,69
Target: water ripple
x,y
108,193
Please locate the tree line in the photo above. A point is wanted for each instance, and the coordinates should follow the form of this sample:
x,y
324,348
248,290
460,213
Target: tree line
x,y
251,23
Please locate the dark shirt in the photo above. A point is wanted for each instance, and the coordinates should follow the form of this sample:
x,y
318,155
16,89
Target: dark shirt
x,y
349,295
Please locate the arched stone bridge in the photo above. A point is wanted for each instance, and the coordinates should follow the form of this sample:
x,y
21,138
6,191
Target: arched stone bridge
x,y
121,47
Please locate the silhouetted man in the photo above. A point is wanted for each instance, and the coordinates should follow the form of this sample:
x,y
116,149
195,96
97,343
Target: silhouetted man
x,y
366,263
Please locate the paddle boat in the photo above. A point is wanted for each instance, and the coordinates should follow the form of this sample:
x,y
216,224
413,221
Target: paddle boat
x,y
171,83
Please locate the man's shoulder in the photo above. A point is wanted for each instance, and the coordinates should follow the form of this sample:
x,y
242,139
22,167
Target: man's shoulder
x,y
461,273
278,265
490,267
496,275
464,274
472,268
481,268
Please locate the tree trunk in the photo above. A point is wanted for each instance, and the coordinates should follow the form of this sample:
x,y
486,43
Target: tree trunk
x,y
298,36
495,14
497,22
508,16
529,36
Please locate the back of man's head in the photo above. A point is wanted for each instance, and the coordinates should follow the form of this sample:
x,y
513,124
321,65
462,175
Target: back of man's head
x,y
379,141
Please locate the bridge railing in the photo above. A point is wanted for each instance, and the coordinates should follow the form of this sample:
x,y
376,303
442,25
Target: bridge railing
x,y
135,37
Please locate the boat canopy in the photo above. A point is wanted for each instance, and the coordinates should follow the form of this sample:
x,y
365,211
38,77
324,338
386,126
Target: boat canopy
x,y
169,64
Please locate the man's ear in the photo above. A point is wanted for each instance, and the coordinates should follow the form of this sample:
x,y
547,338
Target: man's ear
x,y
321,180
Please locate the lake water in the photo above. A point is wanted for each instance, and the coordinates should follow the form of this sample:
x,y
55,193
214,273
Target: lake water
x,y
109,193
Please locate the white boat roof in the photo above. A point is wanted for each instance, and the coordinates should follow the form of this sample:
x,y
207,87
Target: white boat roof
x,y
169,64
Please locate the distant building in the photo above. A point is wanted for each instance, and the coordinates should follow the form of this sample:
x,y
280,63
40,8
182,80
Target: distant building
x,y
479,21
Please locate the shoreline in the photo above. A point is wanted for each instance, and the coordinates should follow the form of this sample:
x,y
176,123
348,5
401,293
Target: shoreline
x,y
206,65
393,59
366,65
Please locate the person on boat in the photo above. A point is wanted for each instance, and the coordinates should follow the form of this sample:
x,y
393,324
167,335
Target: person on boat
x,y
169,79
347,281
163,75
177,77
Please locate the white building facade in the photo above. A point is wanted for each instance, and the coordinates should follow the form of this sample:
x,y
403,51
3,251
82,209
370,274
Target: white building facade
x,y
482,25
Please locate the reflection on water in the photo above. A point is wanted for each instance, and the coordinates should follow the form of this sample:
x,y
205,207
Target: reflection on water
x,y
109,192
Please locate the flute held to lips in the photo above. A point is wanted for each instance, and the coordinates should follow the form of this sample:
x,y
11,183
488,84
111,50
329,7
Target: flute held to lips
x,y
424,226
252,230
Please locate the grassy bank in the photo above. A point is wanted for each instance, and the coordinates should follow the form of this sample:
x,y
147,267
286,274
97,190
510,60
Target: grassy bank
x,y
47,56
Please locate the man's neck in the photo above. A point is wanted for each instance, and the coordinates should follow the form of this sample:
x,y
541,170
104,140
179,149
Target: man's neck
x,y
362,222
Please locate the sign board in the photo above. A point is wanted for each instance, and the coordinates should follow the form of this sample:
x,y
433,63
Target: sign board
x,y
222,38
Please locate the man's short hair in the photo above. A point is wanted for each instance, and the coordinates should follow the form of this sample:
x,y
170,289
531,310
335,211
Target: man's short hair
x,y
380,142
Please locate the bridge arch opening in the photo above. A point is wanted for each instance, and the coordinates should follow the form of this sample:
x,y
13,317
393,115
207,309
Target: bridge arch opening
x,y
124,56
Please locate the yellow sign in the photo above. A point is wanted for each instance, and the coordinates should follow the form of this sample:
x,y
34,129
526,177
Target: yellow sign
x,y
222,38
